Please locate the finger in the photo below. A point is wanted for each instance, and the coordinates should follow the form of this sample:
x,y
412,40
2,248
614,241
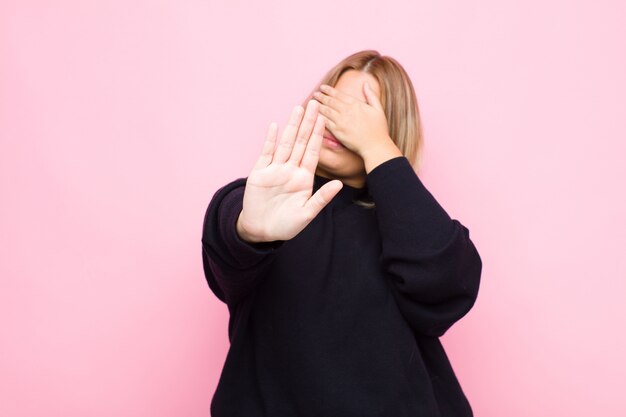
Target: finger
x,y
339,95
312,151
329,101
330,125
372,98
329,113
283,150
321,198
268,147
304,133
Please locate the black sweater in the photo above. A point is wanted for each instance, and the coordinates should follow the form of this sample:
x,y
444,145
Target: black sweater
x,y
344,319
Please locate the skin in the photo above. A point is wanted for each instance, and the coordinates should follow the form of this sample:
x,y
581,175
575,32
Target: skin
x,y
278,201
355,117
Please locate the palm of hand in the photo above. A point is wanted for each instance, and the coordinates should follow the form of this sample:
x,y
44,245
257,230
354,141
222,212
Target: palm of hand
x,y
278,201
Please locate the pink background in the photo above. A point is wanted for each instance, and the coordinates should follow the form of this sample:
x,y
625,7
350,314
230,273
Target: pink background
x,y
119,120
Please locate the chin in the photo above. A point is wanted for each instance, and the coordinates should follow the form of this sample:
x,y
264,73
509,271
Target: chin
x,y
329,160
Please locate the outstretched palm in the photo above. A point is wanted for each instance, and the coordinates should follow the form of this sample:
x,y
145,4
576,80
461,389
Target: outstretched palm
x,y
278,201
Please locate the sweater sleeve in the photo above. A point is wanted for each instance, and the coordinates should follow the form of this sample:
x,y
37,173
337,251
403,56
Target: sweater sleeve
x,y
232,266
434,266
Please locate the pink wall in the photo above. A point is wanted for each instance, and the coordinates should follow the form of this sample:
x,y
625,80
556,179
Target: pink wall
x,y
119,119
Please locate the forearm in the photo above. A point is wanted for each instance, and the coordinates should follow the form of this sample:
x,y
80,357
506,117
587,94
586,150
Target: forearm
x,y
233,266
434,265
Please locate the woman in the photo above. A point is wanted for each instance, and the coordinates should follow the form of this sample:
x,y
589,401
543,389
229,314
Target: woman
x,y
339,268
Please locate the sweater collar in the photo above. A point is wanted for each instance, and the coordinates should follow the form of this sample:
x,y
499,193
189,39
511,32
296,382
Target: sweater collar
x,y
347,194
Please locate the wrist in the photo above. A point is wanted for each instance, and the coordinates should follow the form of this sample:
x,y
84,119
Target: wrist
x,y
383,151
243,233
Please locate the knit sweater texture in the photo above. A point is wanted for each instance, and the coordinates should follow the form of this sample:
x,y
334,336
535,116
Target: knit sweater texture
x,y
344,319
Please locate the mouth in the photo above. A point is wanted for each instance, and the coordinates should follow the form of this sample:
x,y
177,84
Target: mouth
x,y
331,137
332,142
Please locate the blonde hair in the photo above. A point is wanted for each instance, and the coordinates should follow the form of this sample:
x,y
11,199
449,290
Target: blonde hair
x,y
397,96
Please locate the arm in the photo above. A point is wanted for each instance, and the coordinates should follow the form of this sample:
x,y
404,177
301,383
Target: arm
x,y
233,267
434,266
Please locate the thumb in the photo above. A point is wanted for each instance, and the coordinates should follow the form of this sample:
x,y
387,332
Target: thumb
x,y
322,197
371,97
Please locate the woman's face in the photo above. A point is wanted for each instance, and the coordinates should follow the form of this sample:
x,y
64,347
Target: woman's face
x,y
338,162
